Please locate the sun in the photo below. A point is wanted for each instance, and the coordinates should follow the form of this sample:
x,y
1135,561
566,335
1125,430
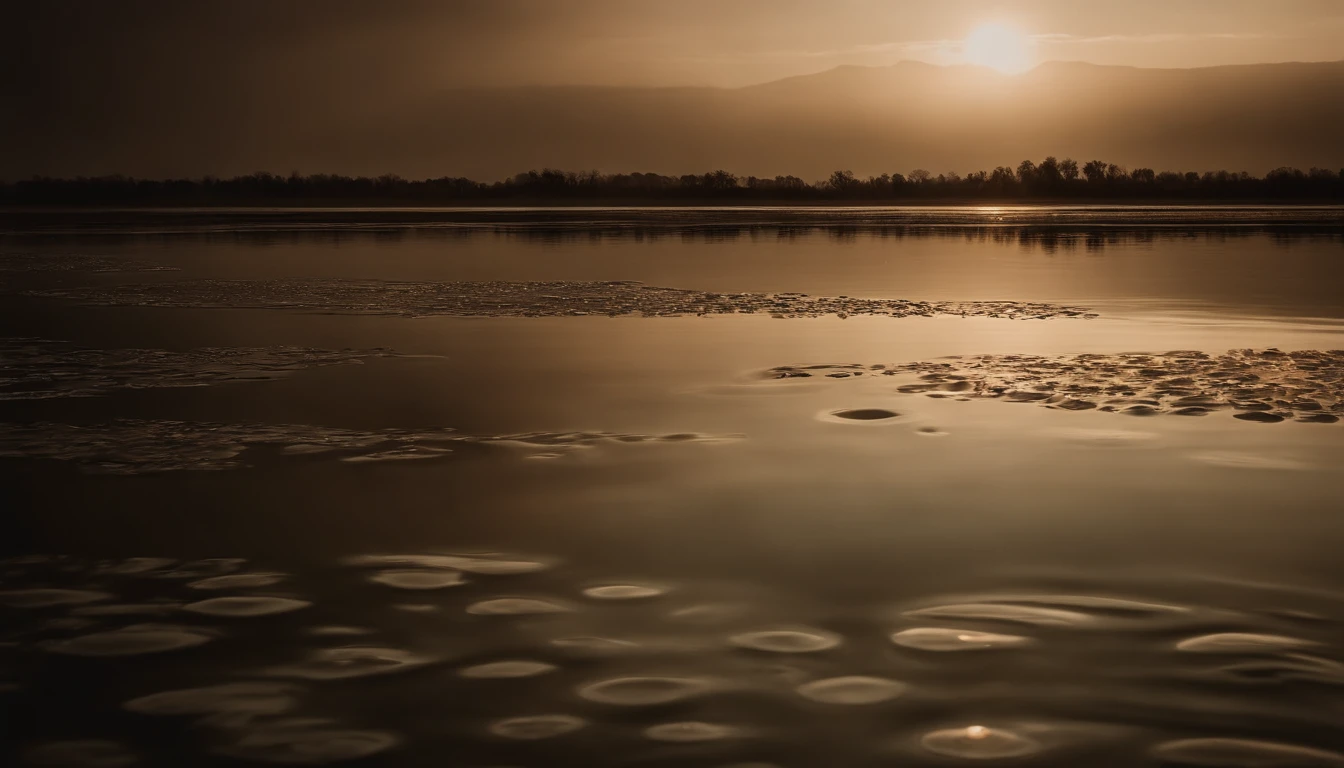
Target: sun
x,y
998,46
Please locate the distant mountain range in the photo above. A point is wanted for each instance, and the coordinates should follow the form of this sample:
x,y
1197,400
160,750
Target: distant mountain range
x,y
870,120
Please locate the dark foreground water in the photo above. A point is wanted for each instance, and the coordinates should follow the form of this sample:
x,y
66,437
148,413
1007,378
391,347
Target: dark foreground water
x,y
1032,486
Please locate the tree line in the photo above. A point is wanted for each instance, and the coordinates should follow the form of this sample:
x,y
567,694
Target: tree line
x,y
1050,179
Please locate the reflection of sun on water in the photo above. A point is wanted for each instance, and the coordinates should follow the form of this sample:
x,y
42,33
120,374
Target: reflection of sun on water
x,y
998,46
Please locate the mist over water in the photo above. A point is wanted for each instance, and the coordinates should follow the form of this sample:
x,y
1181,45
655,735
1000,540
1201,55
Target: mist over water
x,y
786,487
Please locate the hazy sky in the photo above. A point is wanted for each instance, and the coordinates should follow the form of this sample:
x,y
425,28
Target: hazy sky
x,y
418,43
168,87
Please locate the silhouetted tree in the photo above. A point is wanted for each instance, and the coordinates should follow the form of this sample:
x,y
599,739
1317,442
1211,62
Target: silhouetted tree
x,y
1095,171
1068,168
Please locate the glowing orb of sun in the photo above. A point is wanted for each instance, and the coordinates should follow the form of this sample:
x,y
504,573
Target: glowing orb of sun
x,y
998,46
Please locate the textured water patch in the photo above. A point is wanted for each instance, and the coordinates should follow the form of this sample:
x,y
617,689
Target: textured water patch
x,y
526,299
40,369
83,753
136,446
1266,386
74,262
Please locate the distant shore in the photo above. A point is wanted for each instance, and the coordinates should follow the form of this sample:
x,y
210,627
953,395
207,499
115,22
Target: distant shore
x,y
1052,181
262,204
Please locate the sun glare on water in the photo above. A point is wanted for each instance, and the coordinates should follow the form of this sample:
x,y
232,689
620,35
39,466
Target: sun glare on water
x,y
1000,47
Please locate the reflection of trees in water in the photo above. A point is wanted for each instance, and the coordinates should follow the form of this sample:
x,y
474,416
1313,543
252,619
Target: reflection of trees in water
x,y
1042,238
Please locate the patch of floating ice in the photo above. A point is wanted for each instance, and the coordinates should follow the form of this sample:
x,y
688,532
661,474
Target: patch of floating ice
x,y
854,690
941,639
624,591
536,727
525,299
514,606
130,641
246,607
644,691
1242,642
352,662
234,698
507,669
1266,386
1020,614
303,741
48,598
691,731
418,579
787,640
1244,753
238,581
84,753
978,742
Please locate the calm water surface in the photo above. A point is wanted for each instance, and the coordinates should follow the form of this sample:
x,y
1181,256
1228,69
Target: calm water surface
x,y
643,542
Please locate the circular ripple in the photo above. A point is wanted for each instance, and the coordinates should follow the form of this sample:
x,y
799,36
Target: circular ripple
x,y
507,669
1021,614
536,727
308,742
342,663
131,641
47,598
690,731
851,690
86,753
623,592
246,607
871,416
411,579
242,698
940,639
977,742
1242,642
514,606
238,581
865,414
643,691
787,640
1244,753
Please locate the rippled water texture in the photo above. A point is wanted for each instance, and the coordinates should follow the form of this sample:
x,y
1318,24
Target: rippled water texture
x,y
761,487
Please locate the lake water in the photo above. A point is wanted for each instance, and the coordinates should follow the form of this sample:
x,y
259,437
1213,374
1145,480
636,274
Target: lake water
x,y
396,487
